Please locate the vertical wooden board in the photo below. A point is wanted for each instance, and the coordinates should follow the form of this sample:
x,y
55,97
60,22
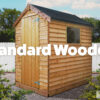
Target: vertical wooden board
x,y
22,73
25,42
37,45
29,57
27,68
33,57
31,28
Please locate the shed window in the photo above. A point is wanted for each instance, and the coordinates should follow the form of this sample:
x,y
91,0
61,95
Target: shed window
x,y
73,35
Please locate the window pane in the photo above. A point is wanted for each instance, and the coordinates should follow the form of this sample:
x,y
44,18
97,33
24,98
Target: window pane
x,y
73,35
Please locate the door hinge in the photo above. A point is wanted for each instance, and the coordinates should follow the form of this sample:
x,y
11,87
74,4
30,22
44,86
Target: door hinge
x,y
37,19
37,82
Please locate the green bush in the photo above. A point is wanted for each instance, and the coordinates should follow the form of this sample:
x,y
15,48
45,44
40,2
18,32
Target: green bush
x,y
6,91
98,70
13,70
92,88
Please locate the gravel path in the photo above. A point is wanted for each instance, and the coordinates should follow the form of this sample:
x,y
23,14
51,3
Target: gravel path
x,y
72,94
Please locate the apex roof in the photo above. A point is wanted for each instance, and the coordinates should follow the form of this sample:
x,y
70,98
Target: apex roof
x,y
49,14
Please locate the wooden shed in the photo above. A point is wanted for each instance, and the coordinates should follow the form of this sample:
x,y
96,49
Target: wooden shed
x,y
50,75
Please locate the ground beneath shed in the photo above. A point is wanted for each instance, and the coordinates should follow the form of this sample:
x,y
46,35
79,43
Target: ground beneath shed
x,y
72,94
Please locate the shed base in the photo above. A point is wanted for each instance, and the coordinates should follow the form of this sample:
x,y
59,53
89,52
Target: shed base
x,y
41,92
64,89
45,93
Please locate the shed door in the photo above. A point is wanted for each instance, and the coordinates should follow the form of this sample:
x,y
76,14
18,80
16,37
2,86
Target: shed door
x,y
30,64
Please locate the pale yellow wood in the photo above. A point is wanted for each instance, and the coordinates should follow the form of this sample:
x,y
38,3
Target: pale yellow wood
x,y
30,63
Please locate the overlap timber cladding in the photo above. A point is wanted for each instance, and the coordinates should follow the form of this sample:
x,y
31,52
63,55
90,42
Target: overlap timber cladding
x,y
43,59
57,73
18,58
66,72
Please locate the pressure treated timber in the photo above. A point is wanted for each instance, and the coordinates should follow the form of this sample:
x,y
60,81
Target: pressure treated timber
x,y
50,75
64,68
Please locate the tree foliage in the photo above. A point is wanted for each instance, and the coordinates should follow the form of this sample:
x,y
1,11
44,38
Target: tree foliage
x,y
96,29
7,19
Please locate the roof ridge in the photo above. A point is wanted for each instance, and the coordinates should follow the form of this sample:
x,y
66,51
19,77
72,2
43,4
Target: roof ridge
x,y
52,9
49,14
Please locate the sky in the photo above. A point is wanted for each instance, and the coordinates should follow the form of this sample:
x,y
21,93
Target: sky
x,y
81,8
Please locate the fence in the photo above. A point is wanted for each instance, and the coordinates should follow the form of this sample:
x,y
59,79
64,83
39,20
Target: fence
x,y
8,62
96,60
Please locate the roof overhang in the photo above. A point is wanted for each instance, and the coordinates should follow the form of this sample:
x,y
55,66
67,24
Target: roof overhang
x,y
34,9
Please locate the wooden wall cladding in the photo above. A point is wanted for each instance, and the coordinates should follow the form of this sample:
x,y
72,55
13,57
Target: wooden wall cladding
x,y
66,72
56,73
43,59
18,58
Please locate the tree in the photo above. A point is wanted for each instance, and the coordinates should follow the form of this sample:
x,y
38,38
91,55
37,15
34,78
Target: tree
x,y
98,27
7,19
96,30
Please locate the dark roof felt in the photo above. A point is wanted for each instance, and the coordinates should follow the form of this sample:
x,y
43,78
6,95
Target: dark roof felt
x,y
57,15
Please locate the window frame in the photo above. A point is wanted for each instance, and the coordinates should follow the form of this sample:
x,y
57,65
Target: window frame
x,y
67,35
